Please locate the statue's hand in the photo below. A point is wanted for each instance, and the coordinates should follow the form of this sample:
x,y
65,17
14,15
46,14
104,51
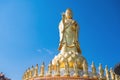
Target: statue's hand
x,y
75,23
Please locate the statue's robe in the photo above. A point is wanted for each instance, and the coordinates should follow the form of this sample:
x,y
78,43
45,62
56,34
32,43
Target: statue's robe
x,y
69,36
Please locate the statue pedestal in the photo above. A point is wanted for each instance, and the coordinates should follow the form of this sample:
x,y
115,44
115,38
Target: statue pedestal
x,y
71,57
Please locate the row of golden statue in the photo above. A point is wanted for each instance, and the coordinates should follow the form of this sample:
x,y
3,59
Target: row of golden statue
x,y
100,75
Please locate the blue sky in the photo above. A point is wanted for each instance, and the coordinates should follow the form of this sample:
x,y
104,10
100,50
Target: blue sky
x,y
29,32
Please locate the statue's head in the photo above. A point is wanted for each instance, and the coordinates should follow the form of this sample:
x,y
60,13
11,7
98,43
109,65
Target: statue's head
x,y
68,13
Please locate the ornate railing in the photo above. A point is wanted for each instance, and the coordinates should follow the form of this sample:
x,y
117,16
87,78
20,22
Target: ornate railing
x,y
34,73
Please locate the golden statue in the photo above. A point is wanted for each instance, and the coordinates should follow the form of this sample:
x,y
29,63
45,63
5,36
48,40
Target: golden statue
x,y
49,69
32,70
69,46
112,74
107,73
42,70
85,69
68,29
27,76
67,73
30,73
93,70
76,71
69,64
36,71
116,77
101,71
57,69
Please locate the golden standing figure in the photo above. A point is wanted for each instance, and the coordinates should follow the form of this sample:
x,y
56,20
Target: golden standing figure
x,y
85,69
68,29
42,70
94,70
36,71
67,73
69,46
107,73
101,71
57,69
112,74
76,71
49,69
30,73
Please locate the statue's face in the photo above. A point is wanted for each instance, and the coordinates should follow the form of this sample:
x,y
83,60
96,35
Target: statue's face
x,y
68,14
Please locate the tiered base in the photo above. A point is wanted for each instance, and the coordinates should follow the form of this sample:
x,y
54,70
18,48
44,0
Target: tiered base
x,y
63,78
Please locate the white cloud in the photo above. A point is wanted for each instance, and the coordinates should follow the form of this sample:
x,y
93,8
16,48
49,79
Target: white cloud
x,y
48,51
39,50
45,50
